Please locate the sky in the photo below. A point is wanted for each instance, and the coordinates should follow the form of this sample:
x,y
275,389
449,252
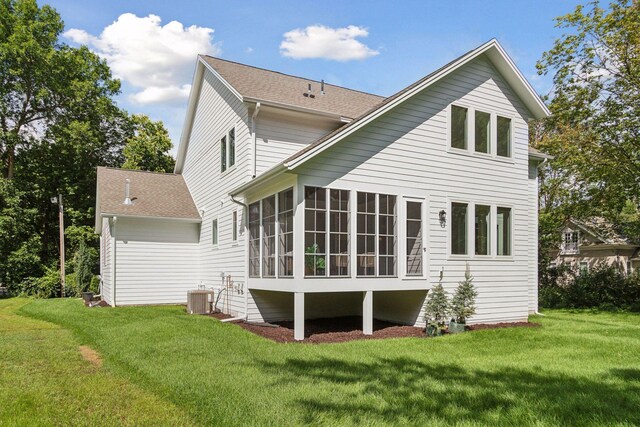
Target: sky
x,y
373,46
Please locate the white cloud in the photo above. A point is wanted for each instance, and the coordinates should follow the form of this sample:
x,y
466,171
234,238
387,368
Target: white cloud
x,y
156,60
318,41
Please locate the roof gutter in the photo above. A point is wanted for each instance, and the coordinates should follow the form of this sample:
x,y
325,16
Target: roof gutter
x,y
289,107
167,218
271,173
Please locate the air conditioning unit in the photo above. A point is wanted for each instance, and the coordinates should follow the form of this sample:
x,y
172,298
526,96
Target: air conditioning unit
x,y
199,301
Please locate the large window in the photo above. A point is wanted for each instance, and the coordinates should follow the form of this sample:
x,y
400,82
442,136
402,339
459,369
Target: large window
x,y
315,231
254,239
503,220
504,137
387,235
326,232
285,232
458,127
269,236
339,233
482,132
376,243
570,242
414,239
228,150
366,234
482,221
459,228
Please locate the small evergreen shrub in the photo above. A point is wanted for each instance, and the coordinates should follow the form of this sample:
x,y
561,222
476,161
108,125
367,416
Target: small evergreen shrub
x,y
463,303
437,306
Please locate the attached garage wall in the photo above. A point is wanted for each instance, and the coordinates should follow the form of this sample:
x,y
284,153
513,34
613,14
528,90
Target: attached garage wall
x,y
156,261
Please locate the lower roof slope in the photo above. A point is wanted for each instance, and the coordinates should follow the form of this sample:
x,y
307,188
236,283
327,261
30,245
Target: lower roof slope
x,y
159,195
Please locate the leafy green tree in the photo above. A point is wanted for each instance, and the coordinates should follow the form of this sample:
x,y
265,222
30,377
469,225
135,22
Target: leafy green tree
x,y
437,306
148,148
594,132
595,128
85,261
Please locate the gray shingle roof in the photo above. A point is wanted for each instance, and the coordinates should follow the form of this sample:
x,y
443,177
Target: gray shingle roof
x,y
163,195
265,85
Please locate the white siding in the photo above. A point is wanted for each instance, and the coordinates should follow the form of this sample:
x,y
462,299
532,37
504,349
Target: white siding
x,y
106,262
156,261
218,110
533,239
280,135
405,152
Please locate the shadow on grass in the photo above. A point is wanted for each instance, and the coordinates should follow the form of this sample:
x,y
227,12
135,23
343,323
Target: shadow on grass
x,y
394,390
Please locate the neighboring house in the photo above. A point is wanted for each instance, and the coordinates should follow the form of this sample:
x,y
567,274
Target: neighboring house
x,y
305,200
585,243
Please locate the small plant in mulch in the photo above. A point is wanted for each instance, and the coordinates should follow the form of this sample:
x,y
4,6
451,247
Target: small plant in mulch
x,y
436,309
463,303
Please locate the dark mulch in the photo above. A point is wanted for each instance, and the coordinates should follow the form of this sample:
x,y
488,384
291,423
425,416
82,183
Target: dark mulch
x,y
342,329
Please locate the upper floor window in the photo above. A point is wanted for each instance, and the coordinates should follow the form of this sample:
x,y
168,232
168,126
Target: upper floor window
x,y
504,137
570,241
228,150
459,127
482,132
234,226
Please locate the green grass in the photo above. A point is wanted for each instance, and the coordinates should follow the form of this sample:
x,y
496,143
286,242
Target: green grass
x,y
578,369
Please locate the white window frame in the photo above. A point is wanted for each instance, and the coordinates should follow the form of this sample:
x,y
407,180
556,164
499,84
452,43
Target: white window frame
x,y
469,233
404,236
511,228
511,133
450,125
491,235
227,138
234,226
215,232
564,250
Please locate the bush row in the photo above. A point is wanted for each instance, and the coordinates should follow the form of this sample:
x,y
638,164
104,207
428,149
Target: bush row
x,y
603,286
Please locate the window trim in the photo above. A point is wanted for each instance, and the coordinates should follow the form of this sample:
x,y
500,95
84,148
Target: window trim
x,y
398,200
450,125
405,237
511,228
226,137
511,121
234,226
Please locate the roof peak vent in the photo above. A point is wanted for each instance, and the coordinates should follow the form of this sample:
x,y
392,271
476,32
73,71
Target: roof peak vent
x,y
127,198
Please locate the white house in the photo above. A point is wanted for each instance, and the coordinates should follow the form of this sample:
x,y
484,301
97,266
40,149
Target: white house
x,y
306,200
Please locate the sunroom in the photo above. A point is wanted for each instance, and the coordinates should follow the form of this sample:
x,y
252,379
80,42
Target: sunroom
x,y
364,251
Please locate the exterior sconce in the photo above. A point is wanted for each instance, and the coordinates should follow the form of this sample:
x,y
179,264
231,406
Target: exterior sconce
x,y
442,216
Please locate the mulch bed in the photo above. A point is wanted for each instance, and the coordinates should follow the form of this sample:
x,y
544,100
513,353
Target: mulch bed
x,y
342,329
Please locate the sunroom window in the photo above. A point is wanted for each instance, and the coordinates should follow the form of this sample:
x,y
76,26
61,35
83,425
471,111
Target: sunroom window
x,y
366,234
387,235
339,233
414,239
269,236
285,232
376,239
458,127
315,231
254,239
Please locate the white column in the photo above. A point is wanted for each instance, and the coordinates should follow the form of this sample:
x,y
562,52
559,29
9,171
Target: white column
x,y
367,312
298,316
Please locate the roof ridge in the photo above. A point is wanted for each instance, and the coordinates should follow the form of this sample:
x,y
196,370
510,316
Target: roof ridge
x,y
138,171
294,76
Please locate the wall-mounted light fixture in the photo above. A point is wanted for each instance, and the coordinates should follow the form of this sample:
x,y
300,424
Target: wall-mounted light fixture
x,y
442,216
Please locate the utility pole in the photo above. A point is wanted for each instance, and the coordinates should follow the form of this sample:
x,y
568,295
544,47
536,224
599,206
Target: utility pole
x,y
58,200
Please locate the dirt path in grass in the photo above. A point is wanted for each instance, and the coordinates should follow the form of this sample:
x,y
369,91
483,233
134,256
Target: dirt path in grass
x,y
48,378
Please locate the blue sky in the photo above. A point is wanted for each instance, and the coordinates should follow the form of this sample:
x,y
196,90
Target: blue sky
x,y
383,46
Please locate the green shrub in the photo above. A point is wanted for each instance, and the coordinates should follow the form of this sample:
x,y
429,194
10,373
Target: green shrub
x,y
47,286
604,287
463,303
437,307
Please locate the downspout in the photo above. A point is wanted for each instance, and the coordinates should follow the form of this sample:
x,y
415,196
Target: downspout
x,y
255,141
113,264
246,264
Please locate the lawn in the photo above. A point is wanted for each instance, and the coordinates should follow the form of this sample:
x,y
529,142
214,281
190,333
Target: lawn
x,y
163,367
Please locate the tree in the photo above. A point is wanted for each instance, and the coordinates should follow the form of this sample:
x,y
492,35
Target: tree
x,y
594,132
464,299
58,122
44,84
148,148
